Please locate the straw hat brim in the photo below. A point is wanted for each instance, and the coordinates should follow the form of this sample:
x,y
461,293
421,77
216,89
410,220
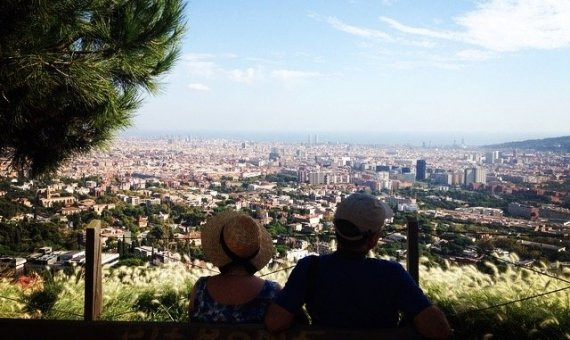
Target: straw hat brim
x,y
214,251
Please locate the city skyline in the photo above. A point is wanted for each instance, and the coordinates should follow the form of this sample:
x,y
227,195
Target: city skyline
x,y
488,67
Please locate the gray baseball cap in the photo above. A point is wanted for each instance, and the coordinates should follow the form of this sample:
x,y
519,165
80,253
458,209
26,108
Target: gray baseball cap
x,y
365,211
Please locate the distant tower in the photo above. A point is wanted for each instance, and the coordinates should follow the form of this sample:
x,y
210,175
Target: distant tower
x,y
475,175
274,155
421,169
309,138
480,175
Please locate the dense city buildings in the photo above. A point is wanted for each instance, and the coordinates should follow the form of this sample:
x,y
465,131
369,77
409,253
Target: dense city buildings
x,y
145,188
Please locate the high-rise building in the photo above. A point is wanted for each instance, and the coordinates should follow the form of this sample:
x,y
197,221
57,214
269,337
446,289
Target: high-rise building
x,y
480,175
469,177
274,154
444,178
316,178
492,157
458,177
382,168
420,170
302,176
475,175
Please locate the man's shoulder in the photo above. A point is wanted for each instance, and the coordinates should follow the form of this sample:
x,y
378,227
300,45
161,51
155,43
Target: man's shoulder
x,y
385,265
308,259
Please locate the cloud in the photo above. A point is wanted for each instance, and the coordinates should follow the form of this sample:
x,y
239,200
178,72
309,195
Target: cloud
x,y
244,75
370,34
418,30
358,31
506,25
475,55
502,25
200,64
198,87
418,64
293,74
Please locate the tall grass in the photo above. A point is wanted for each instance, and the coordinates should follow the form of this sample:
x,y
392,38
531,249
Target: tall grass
x,y
464,292
161,293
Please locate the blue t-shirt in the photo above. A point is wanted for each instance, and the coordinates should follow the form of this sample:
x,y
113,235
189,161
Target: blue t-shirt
x,y
353,292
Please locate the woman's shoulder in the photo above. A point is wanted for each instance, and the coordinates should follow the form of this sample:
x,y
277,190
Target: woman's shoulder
x,y
201,281
200,284
270,289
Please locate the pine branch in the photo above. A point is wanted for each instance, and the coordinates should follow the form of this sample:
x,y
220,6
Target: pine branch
x,y
71,72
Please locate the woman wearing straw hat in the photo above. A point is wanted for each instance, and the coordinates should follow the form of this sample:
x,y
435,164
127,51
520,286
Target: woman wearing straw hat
x,y
237,245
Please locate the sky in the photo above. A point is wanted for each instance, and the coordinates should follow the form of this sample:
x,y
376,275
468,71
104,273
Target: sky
x,y
487,67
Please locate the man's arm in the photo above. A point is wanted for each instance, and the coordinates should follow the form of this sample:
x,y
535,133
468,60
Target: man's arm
x,y
281,312
432,324
278,318
428,320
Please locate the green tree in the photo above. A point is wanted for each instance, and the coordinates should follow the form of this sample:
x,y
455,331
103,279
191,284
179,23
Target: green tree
x,y
276,229
72,72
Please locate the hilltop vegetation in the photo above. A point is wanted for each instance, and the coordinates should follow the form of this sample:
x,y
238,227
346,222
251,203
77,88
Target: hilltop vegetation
x,y
558,144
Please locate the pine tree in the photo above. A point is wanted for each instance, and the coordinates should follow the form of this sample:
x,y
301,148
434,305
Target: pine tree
x,y
72,73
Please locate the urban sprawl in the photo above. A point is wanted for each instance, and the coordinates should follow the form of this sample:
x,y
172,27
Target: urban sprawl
x,y
153,195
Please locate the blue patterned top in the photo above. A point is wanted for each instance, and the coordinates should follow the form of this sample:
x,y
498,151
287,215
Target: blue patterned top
x,y
206,309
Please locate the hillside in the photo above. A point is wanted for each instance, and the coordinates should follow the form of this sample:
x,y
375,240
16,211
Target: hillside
x,y
546,144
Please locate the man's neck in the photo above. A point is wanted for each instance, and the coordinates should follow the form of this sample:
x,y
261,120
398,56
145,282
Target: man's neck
x,y
352,253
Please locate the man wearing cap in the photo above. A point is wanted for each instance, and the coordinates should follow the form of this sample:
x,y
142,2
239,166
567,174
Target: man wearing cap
x,y
347,289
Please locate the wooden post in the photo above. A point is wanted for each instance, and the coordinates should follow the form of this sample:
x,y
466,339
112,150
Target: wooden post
x,y
123,246
93,273
413,255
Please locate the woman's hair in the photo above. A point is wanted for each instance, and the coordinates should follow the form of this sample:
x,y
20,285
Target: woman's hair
x,y
233,265
349,229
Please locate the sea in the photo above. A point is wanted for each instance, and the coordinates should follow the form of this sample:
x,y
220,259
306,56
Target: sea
x,y
426,139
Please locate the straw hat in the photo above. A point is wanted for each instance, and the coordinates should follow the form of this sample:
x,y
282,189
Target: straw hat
x,y
242,237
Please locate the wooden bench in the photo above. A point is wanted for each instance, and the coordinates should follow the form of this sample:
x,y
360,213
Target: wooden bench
x,y
127,330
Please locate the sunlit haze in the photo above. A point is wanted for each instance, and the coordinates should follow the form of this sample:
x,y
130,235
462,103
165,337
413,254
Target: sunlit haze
x,y
399,71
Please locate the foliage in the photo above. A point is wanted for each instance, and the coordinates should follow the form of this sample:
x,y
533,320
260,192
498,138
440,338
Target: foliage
x,y
188,215
162,305
26,237
161,293
9,209
43,300
276,229
130,262
461,291
72,72
281,178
